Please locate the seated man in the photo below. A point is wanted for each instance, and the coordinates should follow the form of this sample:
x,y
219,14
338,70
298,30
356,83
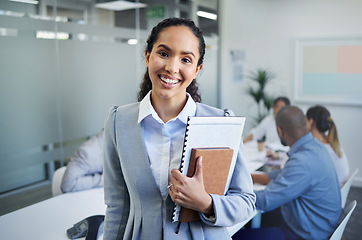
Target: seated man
x,y
305,193
266,127
85,169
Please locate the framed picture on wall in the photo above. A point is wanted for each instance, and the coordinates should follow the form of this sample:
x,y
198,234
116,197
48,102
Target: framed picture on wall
x,y
328,70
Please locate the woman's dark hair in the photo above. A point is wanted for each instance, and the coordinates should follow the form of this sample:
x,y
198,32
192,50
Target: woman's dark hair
x,y
323,122
193,88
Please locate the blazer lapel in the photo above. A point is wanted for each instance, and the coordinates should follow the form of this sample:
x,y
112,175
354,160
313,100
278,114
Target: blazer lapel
x,y
132,146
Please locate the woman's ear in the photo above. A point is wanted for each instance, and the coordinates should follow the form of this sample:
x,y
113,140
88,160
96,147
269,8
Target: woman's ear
x,y
198,68
147,57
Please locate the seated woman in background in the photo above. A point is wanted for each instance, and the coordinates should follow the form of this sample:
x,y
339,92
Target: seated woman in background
x,y
319,122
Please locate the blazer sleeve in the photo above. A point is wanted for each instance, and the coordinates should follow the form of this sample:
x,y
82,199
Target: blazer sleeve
x,y
116,195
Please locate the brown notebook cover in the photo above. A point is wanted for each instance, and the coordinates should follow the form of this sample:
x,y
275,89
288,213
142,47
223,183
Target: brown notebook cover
x,y
215,169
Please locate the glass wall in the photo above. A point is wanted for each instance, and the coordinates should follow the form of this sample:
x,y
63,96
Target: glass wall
x,y
64,63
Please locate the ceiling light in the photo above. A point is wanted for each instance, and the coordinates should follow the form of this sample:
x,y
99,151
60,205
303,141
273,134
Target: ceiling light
x,y
52,35
132,41
120,5
26,1
208,15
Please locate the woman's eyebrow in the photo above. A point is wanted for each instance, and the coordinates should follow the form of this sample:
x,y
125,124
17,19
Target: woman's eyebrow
x,y
169,49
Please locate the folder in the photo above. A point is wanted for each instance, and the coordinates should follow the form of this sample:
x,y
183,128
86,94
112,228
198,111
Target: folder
x,y
215,170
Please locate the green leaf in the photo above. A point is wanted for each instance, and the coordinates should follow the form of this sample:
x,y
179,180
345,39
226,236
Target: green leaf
x,y
262,77
268,102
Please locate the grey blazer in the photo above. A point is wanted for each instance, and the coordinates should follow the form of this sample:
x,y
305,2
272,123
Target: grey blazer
x,y
135,207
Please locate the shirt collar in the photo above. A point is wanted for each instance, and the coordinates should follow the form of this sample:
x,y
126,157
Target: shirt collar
x,y
147,109
188,110
300,142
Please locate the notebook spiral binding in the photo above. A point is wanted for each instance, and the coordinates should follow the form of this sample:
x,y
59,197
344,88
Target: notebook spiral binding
x,y
182,161
184,146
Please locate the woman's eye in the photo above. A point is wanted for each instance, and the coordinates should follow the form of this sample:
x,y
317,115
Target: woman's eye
x,y
163,54
186,60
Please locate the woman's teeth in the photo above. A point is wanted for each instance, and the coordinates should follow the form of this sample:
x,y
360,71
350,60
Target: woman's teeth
x,y
169,81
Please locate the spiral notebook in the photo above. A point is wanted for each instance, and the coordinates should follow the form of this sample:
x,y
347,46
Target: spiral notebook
x,y
211,132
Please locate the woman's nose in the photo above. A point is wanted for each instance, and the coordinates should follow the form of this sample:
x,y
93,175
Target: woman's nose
x,y
172,66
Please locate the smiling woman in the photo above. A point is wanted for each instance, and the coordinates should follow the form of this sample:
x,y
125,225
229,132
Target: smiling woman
x,y
141,160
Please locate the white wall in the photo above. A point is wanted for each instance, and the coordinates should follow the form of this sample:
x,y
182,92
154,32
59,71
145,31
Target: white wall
x,y
266,30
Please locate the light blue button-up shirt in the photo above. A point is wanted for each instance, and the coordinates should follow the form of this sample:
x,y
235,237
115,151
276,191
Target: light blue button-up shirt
x,y
164,141
306,189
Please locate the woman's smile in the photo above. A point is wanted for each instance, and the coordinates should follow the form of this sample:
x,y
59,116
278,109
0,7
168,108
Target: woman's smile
x,y
169,80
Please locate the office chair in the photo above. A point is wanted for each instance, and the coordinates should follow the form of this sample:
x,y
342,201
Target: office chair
x,y
346,187
343,220
57,181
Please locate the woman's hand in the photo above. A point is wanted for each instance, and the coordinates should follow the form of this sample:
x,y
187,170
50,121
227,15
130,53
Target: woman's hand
x,y
190,192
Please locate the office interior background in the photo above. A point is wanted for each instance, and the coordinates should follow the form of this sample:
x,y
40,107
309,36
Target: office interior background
x,y
64,63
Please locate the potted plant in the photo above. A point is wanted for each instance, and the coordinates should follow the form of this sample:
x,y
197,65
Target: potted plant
x,y
262,99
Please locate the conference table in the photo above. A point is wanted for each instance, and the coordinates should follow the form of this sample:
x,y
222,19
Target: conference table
x,y
51,218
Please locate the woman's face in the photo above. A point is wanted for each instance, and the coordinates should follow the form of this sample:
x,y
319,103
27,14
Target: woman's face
x,y
172,63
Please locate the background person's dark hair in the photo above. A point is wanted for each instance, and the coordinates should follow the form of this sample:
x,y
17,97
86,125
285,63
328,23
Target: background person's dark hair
x,y
292,120
193,88
284,99
323,122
